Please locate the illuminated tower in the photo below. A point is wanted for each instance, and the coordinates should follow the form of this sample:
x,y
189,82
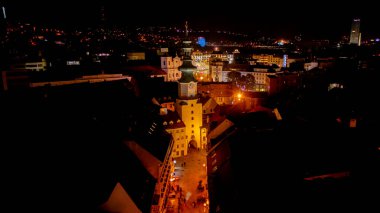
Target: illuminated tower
x,y
3,26
187,104
355,37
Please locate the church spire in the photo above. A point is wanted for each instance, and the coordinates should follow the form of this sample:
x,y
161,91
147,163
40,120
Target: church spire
x,y
187,30
187,68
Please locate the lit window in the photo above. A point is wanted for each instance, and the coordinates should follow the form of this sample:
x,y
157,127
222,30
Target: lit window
x,y
214,162
171,122
165,123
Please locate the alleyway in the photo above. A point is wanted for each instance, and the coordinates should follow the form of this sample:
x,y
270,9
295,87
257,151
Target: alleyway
x,y
190,170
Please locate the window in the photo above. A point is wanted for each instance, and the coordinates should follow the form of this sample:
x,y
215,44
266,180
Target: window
x,y
192,125
177,131
171,122
213,162
192,112
192,118
177,152
182,130
192,131
192,105
182,145
177,146
204,138
165,123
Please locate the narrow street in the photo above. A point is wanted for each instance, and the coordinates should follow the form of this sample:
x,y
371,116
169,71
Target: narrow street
x,y
191,183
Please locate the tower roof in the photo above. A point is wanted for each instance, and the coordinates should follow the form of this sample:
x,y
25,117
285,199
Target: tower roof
x,y
187,68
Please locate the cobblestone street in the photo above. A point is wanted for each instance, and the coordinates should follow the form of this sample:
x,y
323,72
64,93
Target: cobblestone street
x,y
191,183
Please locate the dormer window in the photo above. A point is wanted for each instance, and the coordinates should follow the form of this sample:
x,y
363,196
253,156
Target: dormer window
x,y
165,123
178,121
171,122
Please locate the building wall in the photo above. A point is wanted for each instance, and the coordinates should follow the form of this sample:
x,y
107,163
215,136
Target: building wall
x,y
180,146
222,93
136,56
355,32
32,66
170,66
260,78
216,71
161,191
191,115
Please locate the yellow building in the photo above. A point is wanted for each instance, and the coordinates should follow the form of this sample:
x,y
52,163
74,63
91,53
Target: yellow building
x,y
176,127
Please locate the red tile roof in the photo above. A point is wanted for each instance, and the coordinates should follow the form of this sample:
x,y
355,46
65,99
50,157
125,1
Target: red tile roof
x,y
174,118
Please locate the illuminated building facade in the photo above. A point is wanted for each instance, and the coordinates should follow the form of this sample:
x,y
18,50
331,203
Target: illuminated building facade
x,y
170,66
176,127
355,36
272,59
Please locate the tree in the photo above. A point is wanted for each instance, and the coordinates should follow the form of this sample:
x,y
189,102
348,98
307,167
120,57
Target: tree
x,y
234,77
247,82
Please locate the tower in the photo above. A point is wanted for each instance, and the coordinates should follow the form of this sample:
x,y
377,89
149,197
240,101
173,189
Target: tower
x,y
187,83
355,35
187,104
3,26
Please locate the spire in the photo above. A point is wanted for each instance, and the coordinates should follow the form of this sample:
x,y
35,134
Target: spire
x,y
187,68
187,30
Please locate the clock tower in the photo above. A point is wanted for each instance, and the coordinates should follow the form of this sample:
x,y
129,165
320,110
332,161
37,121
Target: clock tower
x,y
187,84
187,104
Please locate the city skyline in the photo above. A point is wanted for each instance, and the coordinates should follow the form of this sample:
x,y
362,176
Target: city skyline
x,y
317,21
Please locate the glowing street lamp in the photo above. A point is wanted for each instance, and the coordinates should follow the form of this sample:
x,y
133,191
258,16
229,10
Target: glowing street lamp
x,y
239,95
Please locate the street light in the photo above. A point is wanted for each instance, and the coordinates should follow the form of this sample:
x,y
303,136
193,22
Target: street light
x,y
239,95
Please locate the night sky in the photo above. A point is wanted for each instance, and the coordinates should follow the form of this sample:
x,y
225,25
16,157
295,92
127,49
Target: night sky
x,y
322,19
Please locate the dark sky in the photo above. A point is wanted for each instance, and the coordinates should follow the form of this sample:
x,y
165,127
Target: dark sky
x,y
321,19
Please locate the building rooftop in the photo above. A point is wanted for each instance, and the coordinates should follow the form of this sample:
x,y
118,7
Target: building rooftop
x,y
173,121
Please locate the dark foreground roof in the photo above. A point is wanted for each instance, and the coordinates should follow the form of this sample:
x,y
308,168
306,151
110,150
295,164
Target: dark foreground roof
x,y
62,149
